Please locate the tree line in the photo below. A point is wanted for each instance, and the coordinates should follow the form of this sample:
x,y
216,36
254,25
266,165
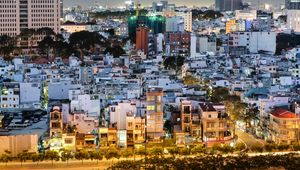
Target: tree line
x,y
79,43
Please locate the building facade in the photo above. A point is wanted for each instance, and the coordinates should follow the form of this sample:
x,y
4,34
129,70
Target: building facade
x,y
142,38
154,116
19,15
284,126
228,5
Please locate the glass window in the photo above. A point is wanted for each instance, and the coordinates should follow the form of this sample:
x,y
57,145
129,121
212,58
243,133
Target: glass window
x,y
150,107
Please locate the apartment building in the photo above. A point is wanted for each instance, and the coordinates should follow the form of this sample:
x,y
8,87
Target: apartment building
x,y
10,95
217,127
284,126
56,122
18,15
190,118
154,115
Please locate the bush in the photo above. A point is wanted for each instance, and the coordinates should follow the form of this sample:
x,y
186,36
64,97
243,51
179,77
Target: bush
x,y
283,147
199,149
240,147
270,147
296,147
184,151
257,148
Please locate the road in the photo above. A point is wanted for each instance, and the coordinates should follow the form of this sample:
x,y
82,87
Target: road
x,y
248,139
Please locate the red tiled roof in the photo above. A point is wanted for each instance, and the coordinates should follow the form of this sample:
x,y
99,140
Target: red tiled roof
x,y
283,113
41,60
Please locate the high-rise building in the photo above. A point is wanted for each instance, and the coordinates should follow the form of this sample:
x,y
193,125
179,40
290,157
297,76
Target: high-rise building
x,y
18,15
293,17
142,39
154,115
228,5
292,4
156,24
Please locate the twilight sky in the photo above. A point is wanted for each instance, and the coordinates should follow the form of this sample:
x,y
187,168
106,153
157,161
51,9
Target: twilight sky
x,y
115,3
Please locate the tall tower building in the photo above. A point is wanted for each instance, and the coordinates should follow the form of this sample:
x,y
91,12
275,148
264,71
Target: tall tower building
x,y
292,4
293,14
154,116
142,38
18,15
228,5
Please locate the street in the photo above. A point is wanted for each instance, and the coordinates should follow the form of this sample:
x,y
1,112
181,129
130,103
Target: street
x,y
248,139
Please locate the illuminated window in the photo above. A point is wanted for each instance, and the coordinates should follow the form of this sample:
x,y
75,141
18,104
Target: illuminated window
x,y
150,98
158,98
150,107
158,108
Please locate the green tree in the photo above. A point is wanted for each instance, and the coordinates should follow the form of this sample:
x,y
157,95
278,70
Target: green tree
x,y
7,46
126,153
199,149
191,80
184,151
115,50
156,151
52,155
66,155
173,151
85,41
96,155
82,155
6,157
173,63
112,153
35,157
23,156
46,45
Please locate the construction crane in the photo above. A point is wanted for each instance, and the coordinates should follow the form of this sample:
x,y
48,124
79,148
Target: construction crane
x,y
137,8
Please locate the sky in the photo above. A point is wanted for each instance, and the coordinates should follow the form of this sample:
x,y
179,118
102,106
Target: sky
x,y
115,3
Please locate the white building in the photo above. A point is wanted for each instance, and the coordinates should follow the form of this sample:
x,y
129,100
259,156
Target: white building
x,y
10,95
245,14
119,112
30,93
254,41
89,103
59,90
293,20
187,17
175,24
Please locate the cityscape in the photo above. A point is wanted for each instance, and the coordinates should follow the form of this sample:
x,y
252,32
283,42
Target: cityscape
x,y
150,85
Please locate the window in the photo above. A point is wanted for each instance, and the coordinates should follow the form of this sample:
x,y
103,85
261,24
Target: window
x,y
68,141
150,107
150,98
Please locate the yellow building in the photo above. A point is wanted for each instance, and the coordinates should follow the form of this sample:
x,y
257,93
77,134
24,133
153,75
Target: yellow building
x,y
284,126
230,25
